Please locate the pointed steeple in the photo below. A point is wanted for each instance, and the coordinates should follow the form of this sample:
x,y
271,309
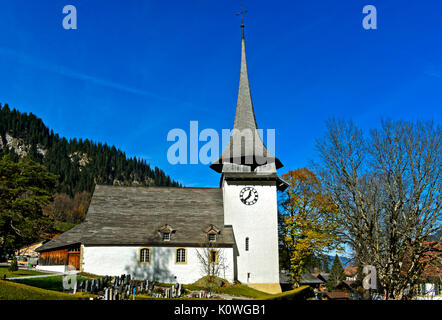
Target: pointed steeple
x,y
245,115
245,146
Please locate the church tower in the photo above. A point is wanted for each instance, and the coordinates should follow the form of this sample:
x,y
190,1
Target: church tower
x,y
250,183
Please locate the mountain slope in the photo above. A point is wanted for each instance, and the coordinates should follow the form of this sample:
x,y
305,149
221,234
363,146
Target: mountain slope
x,y
79,163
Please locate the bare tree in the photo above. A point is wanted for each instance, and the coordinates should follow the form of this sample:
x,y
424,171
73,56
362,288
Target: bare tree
x,y
387,187
67,209
212,260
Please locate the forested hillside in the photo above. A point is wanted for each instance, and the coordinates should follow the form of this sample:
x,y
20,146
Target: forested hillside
x,y
80,164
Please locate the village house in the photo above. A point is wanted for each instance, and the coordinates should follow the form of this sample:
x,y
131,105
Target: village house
x,y
350,273
430,282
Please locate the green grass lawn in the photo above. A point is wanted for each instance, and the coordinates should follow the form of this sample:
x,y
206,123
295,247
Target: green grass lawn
x,y
233,290
242,290
18,273
49,283
16,291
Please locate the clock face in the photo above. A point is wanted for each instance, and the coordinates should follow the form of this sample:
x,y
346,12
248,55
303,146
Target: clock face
x,y
248,196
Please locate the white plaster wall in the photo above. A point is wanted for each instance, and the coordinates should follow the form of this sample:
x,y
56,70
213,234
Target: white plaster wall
x,y
114,260
51,268
258,222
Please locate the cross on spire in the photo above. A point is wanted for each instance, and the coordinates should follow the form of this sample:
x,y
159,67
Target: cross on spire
x,y
241,14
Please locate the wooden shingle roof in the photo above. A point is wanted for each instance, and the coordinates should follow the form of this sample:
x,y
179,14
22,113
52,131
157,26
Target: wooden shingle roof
x,y
134,216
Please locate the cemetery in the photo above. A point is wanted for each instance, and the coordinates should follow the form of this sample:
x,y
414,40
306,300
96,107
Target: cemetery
x,y
125,288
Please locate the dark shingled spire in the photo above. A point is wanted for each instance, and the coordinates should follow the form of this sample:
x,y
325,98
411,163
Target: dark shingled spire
x,y
251,152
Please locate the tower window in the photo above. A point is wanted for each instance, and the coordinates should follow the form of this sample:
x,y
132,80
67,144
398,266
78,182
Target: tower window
x,y
212,236
247,244
166,236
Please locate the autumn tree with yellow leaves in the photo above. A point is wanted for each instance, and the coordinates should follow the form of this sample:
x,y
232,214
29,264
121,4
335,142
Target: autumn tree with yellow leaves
x,y
308,221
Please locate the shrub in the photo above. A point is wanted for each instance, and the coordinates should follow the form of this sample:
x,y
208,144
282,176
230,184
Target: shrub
x,y
14,265
215,282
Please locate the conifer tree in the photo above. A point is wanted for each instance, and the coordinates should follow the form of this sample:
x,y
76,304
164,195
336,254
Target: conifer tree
x,y
336,274
25,187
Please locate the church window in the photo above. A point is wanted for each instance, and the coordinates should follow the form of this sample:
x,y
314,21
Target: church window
x,y
213,256
180,255
247,244
144,255
166,236
212,236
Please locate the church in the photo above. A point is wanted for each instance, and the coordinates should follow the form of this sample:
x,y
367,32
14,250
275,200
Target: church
x,y
158,233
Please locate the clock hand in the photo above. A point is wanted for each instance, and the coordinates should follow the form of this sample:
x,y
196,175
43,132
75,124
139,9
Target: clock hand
x,y
250,194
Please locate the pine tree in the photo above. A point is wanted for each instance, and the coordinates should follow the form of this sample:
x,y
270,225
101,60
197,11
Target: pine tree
x,y
25,187
336,274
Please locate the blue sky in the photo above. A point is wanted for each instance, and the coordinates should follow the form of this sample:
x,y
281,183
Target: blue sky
x,y
133,70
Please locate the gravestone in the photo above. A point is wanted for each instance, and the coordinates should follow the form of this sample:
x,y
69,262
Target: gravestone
x,y
75,287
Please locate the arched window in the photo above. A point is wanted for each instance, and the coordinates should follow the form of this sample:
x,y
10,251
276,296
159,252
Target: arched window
x,y
247,244
180,255
144,256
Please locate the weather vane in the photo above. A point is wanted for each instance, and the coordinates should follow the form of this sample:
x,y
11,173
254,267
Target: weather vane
x,y
241,14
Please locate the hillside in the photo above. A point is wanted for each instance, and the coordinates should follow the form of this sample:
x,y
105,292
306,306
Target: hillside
x,y
80,164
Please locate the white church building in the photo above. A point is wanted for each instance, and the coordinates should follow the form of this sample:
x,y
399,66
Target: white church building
x,y
155,233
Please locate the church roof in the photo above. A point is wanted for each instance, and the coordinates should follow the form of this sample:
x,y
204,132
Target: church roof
x,y
135,216
239,150
281,184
